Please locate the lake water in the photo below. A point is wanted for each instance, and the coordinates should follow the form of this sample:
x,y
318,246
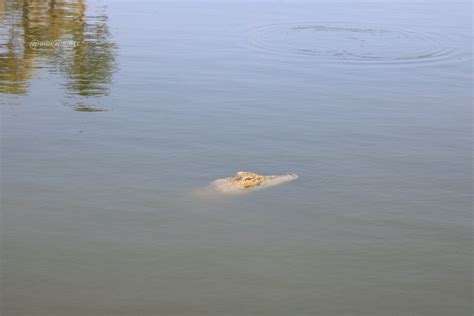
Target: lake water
x,y
115,112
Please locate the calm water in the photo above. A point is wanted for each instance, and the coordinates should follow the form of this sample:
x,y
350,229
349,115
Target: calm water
x,y
106,136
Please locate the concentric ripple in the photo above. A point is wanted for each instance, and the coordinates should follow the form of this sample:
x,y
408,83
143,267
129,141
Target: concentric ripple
x,y
349,43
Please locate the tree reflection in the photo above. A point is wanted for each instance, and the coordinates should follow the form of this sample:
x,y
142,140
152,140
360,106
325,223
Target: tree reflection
x,y
2,8
92,62
15,59
88,65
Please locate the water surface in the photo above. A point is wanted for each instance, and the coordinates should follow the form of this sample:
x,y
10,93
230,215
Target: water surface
x,y
105,139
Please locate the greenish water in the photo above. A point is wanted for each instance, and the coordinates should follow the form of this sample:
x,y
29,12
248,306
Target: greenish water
x,y
115,112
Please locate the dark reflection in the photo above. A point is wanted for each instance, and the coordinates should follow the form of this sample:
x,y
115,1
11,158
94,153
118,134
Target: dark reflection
x,y
58,35
87,108
16,60
91,65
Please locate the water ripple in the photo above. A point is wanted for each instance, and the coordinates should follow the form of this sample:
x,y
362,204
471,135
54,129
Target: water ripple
x,y
343,43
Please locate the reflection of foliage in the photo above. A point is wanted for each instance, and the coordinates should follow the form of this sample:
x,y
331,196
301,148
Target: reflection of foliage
x,y
2,8
15,70
88,65
14,73
92,61
87,108
15,61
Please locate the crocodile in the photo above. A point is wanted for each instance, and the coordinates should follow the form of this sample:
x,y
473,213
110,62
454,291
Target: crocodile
x,y
244,181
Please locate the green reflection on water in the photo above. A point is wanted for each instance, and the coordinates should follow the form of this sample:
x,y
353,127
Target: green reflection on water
x,y
87,108
57,35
